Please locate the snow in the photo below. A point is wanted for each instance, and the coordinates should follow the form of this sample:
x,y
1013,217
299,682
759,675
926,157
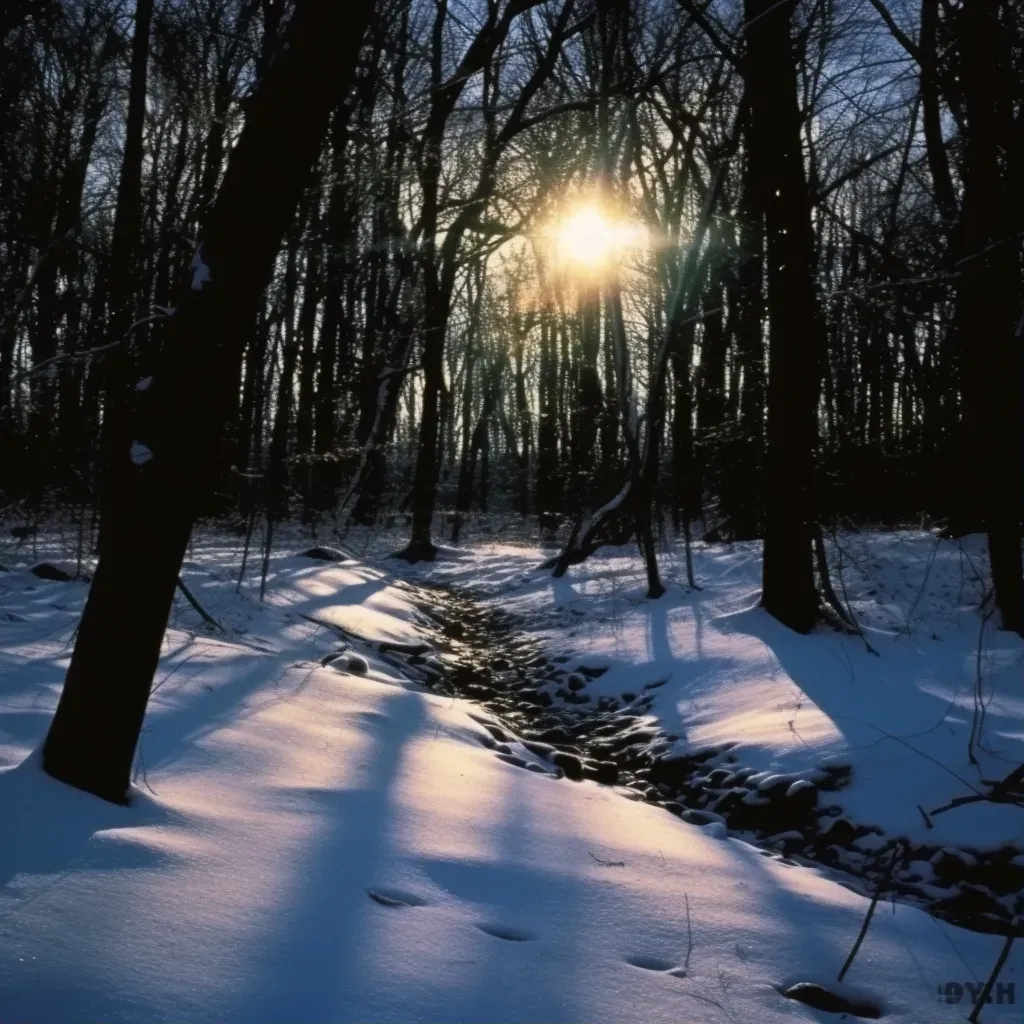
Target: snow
x,y
140,454
144,384
307,844
900,717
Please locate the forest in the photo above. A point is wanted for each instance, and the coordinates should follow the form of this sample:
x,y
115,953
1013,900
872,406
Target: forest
x,y
542,251
609,292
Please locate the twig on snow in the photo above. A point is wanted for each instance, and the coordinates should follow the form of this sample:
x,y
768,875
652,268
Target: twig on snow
x,y
897,855
193,600
990,984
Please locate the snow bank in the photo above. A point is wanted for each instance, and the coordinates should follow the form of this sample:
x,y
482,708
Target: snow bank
x,y
901,717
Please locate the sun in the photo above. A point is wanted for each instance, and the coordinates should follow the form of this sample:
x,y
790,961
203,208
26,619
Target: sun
x,y
587,239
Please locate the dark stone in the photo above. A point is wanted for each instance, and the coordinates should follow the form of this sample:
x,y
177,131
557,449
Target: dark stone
x,y
674,770
1002,875
23,532
696,817
46,571
838,776
556,735
841,832
968,902
575,681
605,772
802,802
627,697
716,778
776,788
593,673
538,697
634,757
951,869
810,994
569,763
322,554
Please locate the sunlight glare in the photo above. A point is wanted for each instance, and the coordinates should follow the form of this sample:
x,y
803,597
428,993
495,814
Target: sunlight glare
x,y
588,239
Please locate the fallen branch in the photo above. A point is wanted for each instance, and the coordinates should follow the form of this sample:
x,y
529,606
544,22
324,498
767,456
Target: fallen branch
x,y
194,601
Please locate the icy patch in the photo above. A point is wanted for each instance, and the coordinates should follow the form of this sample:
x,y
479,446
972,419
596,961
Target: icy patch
x,y
144,384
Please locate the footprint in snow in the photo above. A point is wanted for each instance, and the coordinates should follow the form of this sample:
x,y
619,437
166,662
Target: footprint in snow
x,y
656,963
395,898
501,931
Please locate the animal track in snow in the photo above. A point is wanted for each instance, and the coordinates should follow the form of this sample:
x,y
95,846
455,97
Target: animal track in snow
x,y
395,898
501,931
656,963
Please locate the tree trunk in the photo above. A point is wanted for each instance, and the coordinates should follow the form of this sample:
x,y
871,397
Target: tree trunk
x,y
795,340
988,297
124,285
92,738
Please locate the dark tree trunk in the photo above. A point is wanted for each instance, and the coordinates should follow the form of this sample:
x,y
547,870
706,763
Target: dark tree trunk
x,y
749,316
686,503
989,303
795,340
92,738
124,279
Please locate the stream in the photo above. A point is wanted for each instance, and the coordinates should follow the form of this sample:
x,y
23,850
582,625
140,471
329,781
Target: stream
x,y
539,717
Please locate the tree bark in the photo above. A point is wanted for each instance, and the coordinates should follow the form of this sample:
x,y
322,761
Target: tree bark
x,y
795,335
92,738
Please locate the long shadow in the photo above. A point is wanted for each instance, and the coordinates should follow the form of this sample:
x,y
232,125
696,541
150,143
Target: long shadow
x,y
310,966
48,826
508,899
169,732
853,687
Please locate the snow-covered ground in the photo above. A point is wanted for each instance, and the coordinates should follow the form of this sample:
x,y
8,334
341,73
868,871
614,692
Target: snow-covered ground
x,y
900,713
309,844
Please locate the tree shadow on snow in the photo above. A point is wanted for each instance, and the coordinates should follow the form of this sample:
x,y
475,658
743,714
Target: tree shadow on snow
x,y
49,828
